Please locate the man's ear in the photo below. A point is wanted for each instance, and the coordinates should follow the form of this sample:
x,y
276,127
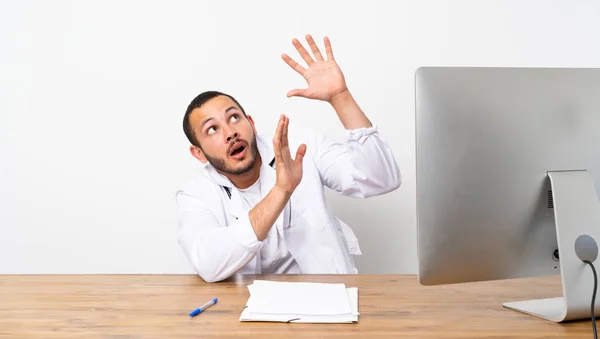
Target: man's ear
x,y
198,153
251,123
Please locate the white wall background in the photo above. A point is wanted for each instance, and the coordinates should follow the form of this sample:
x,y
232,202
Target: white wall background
x,y
92,94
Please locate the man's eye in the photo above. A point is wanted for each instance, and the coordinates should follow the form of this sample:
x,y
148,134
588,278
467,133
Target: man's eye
x,y
235,118
211,130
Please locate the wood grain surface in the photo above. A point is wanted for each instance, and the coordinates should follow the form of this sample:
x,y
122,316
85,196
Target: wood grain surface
x,y
157,306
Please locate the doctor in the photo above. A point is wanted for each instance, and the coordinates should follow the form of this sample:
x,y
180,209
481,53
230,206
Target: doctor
x,y
254,208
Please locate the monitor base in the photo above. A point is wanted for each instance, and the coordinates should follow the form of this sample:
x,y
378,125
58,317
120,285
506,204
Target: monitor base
x,y
576,213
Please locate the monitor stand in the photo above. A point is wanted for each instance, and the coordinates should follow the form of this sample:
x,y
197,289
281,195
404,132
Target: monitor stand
x,y
576,213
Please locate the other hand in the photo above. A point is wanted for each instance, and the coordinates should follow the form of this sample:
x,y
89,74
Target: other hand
x,y
324,77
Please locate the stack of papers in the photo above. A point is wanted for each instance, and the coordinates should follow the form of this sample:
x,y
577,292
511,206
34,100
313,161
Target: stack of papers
x,y
301,302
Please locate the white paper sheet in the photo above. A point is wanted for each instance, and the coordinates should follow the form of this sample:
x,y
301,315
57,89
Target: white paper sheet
x,y
301,302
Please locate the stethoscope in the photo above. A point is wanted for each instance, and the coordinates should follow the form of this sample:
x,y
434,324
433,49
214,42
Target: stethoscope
x,y
272,163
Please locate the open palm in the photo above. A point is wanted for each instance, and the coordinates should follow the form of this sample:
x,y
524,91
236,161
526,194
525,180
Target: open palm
x,y
324,77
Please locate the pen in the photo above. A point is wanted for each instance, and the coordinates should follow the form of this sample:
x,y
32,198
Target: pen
x,y
203,307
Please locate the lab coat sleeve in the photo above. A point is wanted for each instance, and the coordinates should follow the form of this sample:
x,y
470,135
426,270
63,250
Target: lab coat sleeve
x,y
215,251
361,167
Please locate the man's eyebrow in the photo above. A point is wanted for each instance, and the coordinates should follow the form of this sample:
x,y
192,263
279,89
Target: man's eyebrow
x,y
205,121
209,119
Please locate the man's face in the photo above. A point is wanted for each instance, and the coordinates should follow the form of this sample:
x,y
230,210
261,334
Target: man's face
x,y
227,137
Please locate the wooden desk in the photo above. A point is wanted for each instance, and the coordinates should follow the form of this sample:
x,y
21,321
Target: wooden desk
x,y
157,306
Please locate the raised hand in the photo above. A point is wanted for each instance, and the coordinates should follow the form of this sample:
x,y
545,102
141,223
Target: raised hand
x,y
289,171
324,77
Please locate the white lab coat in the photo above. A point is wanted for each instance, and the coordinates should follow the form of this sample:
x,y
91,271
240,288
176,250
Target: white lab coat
x,y
215,230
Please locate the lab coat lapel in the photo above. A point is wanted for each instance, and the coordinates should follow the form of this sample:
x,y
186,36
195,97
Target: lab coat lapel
x,y
233,203
236,209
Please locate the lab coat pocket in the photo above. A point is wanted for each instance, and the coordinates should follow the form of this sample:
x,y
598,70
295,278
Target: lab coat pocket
x,y
308,205
351,240
313,250
314,218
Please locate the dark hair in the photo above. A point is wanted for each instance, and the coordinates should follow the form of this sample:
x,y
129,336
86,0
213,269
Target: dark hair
x,y
198,101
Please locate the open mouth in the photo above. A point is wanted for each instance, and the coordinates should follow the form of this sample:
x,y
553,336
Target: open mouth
x,y
237,149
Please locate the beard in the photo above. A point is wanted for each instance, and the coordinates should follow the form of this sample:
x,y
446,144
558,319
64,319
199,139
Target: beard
x,y
221,165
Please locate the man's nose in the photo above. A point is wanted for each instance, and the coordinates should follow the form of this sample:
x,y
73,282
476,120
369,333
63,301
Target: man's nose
x,y
231,135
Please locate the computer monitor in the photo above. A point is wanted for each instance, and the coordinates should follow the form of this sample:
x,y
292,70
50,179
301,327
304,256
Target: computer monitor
x,y
507,162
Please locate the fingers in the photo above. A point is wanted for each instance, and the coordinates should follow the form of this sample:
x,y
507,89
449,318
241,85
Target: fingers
x,y
293,64
300,153
314,48
328,49
277,138
278,132
280,140
303,53
285,149
284,134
